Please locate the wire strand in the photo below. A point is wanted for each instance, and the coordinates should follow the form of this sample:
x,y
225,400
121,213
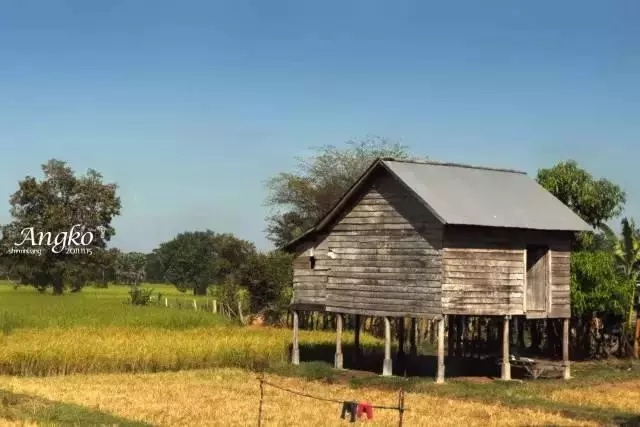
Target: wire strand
x,y
325,399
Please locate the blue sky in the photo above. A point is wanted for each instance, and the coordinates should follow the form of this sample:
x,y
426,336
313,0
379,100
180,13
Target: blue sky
x,y
191,105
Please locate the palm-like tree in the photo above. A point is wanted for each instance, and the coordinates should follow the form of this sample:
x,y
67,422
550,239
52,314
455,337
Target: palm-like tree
x,y
627,253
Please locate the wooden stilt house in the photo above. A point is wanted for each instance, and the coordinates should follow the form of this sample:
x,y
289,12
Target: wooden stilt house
x,y
428,240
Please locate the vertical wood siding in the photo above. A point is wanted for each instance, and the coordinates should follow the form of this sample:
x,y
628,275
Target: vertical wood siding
x,y
560,280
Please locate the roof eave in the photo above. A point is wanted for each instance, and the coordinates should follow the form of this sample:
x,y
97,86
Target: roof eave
x,y
334,210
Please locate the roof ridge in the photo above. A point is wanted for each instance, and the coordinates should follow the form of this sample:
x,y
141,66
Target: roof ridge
x,y
459,165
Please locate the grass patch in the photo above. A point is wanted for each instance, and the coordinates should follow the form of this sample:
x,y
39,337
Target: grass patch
x,y
308,370
96,331
26,308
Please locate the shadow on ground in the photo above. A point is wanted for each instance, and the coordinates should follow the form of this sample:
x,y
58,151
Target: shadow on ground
x,y
629,422
370,360
22,407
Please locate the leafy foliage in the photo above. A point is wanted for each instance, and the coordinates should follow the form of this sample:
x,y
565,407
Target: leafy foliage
x,y
594,200
154,272
194,260
596,286
54,205
131,267
301,198
140,296
268,279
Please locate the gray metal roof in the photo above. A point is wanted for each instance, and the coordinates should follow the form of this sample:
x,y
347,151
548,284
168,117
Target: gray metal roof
x,y
467,195
470,195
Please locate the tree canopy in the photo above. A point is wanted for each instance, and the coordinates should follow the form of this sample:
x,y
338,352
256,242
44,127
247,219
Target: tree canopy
x,y
196,259
302,197
65,221
130,267
594,200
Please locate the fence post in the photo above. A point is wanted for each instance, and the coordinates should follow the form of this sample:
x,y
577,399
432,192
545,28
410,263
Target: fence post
x,y
261,400
195,306
240,312
166,302
215,306
401,406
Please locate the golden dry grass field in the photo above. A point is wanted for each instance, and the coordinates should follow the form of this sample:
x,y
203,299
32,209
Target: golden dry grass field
x,y
230,397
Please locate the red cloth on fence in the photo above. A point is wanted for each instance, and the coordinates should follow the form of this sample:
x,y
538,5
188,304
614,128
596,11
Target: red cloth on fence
x,y
365,408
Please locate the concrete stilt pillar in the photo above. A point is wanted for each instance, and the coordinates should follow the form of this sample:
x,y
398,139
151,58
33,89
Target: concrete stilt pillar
x,y
565,349
338,358
387,366
506,364
440,375
295,353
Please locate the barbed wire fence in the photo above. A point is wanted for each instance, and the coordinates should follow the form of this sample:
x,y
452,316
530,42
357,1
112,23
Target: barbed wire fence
x,y
400,407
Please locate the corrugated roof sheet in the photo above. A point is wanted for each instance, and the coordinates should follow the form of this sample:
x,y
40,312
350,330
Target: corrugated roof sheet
x,y
467,195
470,195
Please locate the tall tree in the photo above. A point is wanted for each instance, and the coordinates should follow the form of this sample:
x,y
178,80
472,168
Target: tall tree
x,y
302,197
627,253
594,200
131,267
268,278
194,260
154,272
64,221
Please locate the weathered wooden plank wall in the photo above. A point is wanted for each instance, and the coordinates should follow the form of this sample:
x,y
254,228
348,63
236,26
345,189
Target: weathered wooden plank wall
x,y
484,270
309,285
560,280
388,250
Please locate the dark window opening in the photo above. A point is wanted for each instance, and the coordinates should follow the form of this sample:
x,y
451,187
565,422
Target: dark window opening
x,y
312,262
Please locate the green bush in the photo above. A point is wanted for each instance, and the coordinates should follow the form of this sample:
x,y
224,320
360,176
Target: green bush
x,y
140,296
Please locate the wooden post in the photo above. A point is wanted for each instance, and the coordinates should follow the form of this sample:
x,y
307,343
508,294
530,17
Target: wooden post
x,y
432,333
506,364
338,358
440,375
166,302
636,341
450,335
195,305
295,353
387,370
261,401
400,323
427,331
460,336
356,334
412,337
400,407
240,312
565,349
551,341
215,306
521,345
535,334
